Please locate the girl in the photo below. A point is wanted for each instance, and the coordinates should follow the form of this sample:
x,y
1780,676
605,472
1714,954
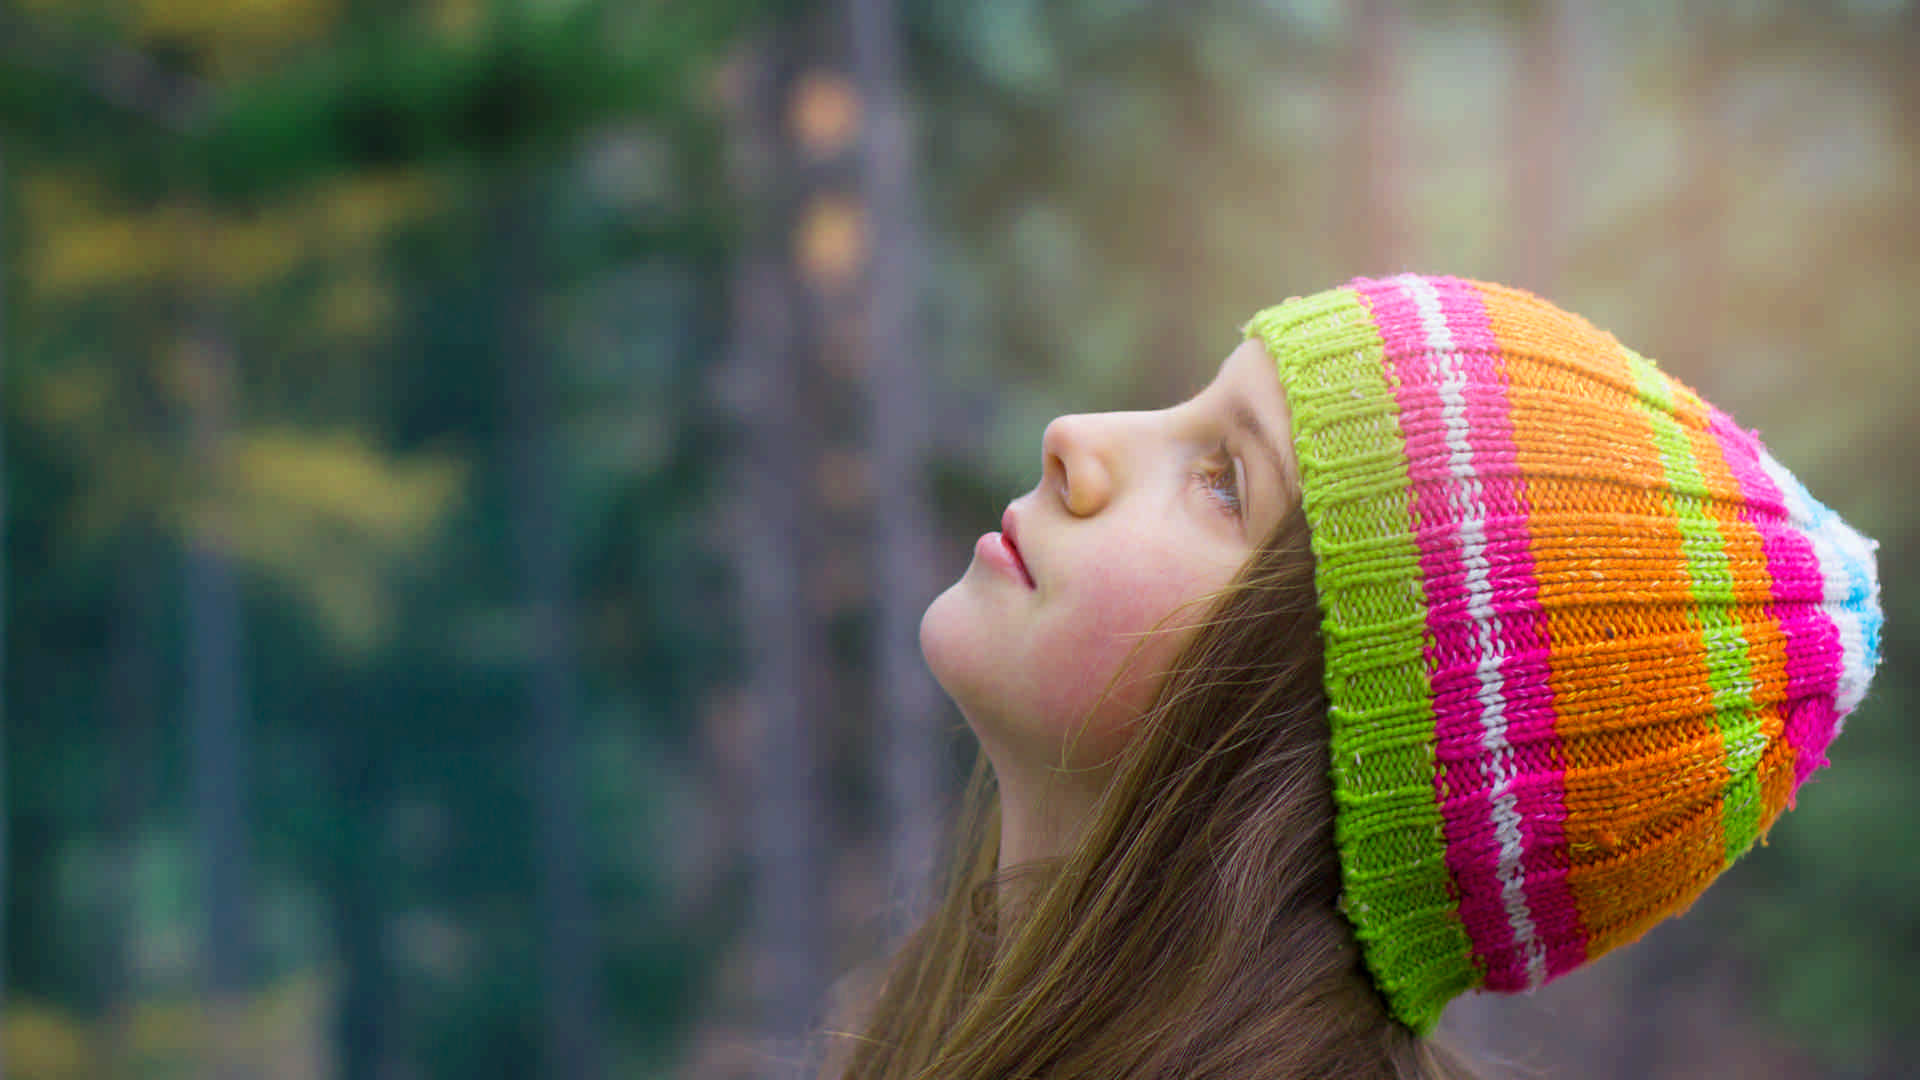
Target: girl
x,y
1441,643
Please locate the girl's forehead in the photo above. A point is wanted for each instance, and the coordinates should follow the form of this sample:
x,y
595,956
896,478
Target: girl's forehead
x,y
1250,372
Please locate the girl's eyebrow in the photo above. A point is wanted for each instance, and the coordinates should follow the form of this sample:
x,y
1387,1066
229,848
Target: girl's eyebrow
x,y
1247,423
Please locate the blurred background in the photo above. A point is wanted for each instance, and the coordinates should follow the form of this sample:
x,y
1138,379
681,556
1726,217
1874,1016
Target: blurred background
x,y
473,470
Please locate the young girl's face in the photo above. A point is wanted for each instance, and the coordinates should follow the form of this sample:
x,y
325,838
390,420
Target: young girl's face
x,y
1061,629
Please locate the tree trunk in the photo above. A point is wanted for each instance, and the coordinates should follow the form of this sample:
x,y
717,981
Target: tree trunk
x,y
907,701
1180,239
215,715
1375,241
562,901
133,683
1542,102
777,538
6,267
1694,321
356,911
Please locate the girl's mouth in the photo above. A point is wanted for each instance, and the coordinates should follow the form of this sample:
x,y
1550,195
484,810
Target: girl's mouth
x,y
997,551
1013,546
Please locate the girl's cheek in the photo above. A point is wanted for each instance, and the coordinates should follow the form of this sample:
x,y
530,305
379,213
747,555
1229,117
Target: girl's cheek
x,y
1105,679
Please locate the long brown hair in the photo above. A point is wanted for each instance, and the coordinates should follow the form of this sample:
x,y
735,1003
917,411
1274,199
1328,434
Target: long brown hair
x,y
1193,931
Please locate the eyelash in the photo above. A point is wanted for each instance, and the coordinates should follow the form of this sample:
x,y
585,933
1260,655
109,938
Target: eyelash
x,y
1209,477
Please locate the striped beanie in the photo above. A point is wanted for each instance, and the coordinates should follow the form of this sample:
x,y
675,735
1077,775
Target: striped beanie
x,y
1584,636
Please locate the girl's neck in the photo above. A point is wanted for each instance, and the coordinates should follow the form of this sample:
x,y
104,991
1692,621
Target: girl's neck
x,y
1042,812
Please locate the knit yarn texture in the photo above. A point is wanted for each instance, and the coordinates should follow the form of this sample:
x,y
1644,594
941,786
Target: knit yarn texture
x,y
1585,637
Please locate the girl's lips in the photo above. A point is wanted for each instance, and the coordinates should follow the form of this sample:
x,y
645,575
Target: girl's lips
x,y
998,550
1013,544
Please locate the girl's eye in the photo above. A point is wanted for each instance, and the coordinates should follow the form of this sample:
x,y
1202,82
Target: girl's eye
x,y
1220,477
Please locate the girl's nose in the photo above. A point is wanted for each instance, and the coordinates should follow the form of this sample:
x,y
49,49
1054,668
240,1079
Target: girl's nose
x,y
1077,462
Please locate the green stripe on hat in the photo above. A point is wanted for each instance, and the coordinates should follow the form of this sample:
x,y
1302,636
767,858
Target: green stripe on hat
x,y
1388,828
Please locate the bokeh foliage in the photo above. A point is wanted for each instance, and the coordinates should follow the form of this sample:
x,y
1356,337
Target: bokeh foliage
x,y
317,190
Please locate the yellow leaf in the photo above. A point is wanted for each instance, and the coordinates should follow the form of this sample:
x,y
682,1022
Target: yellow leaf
x,y
172,1029
457,20
832,241
339,479
824,113
75,396
236,35
53,197
109,251
329,518
130,483
249,254
278,1032
355,306
359,210
42,1044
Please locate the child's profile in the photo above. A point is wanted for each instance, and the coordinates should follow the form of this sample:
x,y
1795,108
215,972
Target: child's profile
x,y
1440,643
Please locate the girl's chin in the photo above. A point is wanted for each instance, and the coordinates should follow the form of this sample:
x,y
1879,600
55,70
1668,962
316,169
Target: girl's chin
x,y
941,639
958,644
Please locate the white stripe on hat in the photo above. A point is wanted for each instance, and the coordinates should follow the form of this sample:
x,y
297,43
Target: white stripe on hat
x,y
1468,499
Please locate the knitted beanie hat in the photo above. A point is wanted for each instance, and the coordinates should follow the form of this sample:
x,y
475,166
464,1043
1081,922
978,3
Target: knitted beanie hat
x,y
1584,636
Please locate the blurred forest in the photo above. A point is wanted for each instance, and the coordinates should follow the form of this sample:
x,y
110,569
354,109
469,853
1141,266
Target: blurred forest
x,y
473,470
